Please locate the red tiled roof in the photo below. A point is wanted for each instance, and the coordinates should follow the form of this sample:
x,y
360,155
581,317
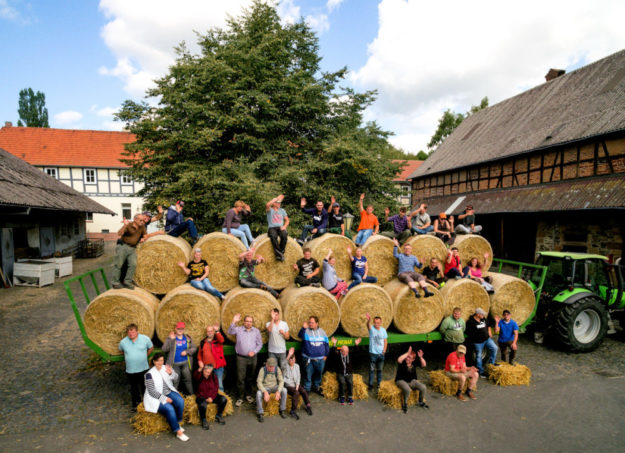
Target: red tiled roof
x,y
65,147
409,167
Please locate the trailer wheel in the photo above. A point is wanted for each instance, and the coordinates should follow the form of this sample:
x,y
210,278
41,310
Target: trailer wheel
x,y
582,325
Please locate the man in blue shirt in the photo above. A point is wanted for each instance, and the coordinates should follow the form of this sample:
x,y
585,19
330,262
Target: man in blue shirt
x,y
136,348
508,331
319,221
378,342
406,262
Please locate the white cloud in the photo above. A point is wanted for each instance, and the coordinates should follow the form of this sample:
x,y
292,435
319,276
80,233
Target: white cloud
x,y
289,12
430,56
333,4
106,111
69,117
112,126
318,22
8,12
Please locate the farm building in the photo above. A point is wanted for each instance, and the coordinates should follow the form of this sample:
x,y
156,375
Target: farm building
x,y
544,170
402,180
41,216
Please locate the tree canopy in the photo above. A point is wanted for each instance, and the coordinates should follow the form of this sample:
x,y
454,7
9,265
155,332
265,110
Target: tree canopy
x,y
32,109
251,116
450,121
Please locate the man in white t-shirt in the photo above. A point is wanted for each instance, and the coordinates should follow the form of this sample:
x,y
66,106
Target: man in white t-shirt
x,y
278,331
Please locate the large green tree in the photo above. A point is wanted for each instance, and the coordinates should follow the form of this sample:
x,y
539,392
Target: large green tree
x,y
450,121
32,109
251,116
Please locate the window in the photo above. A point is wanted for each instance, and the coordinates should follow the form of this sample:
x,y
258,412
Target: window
x,y
126,179
52,171
89,217
89,176
406,189
126,213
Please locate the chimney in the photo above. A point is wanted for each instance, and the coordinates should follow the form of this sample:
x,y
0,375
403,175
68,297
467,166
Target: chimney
x,y
554,73
8,124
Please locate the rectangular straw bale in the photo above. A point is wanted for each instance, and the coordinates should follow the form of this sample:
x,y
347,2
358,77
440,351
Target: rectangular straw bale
x,y
441,383
506,374
330,387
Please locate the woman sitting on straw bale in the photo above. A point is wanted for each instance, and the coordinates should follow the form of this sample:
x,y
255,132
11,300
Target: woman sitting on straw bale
x,y
180,349
292,378
211,352
197,270
453,269
161,396
247,265
474,272
368,223
406,377
433,273
336,223
444,228
232,223
208,393
340,362
406,273
331,281
360,268
308,269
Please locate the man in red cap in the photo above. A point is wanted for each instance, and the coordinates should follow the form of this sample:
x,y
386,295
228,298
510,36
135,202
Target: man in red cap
x,y
175,223
180,349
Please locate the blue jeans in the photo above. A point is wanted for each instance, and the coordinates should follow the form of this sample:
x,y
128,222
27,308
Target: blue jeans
x,y
376,362
422,230
243,233
181,228
205,285
219,372
173,411
492,353
308,229
358,280
314,370
362,236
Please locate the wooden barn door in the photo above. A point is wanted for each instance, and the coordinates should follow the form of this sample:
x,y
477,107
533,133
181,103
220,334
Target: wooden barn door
x,y
47,245
8,256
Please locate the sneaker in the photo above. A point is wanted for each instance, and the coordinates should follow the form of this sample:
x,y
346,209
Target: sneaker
x,y
497,364
342,400
220,420
483,375
183,437
309,410
457,277
299,241
239,402
350,401
249,399
117,286
428,294
460,397
180,426
315,285
417,295
318,391
294,415
129,285
470,394
298,285
283,414
423,405
404,408
260,418
205,424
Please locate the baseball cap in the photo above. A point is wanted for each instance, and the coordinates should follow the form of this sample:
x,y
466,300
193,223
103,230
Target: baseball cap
x,y
180,202
462,348
442,215
271,361
148,213
336,205
180,325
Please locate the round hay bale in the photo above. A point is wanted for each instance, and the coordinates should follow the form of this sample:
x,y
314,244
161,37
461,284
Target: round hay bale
x,y
412,315
425,247
379,253
221,252
248,301
364,298
514,294
277,274
196,308
149,423
157,263
299,304
390,395
466,294
442,383
319,249
474,246
330,386
108,315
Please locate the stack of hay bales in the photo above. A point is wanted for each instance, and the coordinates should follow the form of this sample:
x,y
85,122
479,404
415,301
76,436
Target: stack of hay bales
x,y
108,315
379,253
330,387
466,294
248,301
444,384
506,374
338,244
392,396
474,246
412,315
512,294
277,274
157,263
196,308
221,252
299,304
362,299
425,247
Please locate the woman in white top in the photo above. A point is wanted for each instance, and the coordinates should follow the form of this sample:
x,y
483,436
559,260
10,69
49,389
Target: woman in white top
x,y
161,395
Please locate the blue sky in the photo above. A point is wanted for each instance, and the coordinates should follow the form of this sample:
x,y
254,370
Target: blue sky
x,y
423,57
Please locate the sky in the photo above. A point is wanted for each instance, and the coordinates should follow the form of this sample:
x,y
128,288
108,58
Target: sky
x,y
422,57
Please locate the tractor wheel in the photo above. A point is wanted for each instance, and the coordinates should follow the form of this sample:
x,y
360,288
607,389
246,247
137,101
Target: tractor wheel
x,y
582,325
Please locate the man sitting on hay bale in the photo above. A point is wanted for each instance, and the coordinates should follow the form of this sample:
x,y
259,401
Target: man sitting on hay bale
x,y
468,226
319,221
247,266
308,269
406,273
508,331
292,382
453,267
208,393
269,381
336,223
360,268
175,224
368,223
406,377
420,219
342,365
444,228
315,349
433,273
401,225
277,222
456,369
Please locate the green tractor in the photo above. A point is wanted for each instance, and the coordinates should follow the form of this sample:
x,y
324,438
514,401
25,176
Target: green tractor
x,y
579,294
